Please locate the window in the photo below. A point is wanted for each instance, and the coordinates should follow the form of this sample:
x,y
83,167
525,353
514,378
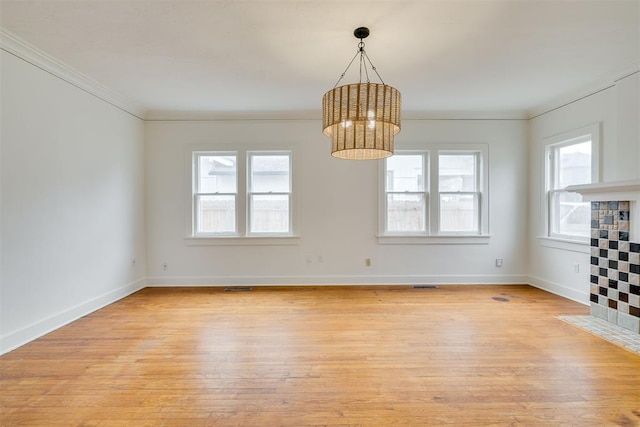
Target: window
x,y
406,195
435,192
459,195
571,160
215,193
241,193
269,193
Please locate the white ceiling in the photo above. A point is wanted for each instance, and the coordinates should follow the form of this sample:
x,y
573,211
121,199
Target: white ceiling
x,y
279,57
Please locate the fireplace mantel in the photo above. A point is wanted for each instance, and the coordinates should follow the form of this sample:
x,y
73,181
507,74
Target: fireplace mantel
x,y
609,191
612,192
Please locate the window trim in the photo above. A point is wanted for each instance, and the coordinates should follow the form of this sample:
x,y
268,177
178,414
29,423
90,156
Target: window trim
x,y
249,192
241,237
382,217
550,144
195,173
478,184
432,235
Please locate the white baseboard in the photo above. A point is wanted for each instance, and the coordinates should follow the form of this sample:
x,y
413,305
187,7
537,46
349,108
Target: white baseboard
x,y
334,280
558,289
42,327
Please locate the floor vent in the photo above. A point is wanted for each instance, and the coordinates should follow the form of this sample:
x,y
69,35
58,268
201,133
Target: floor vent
x,y
425,287
238,288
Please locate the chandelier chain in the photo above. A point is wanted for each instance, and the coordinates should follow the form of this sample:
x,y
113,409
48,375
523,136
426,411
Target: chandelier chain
x,y
346,69
374,68
363,65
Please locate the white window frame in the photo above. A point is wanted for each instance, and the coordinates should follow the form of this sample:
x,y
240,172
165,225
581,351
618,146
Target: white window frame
x,y
426,178
478,193
242,236
250,192
196,194
433,234
551,145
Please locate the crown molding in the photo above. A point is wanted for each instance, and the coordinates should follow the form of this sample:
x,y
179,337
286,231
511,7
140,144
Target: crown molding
x,y
465,115
195,116
581,93
214,116
14,45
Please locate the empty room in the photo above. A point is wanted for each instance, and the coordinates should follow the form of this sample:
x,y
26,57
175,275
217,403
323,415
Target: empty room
x,y
319,213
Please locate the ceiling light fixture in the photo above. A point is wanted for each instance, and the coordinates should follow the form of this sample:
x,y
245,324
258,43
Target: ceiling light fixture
x,y
361,118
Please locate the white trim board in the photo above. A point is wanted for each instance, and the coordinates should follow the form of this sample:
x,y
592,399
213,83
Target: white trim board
x,y
560,290
336,280
44,326
14,45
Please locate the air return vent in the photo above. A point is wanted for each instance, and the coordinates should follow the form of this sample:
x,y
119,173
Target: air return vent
x,y
238,288
425,287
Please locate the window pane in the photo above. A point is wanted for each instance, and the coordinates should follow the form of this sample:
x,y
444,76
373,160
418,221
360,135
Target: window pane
x,y
269,213
406,212
270,174
574,164
405,173
457,172
216,214
569,214
459,212
217,174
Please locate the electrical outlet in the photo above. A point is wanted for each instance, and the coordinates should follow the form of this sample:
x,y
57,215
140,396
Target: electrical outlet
x,y
320,258
576,268
308,259
367,262
165,266
499,262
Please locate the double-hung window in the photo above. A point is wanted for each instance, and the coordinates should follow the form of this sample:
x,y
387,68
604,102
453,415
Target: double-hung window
x,y
215,193
269,192
571,159
241,193
459,192
406,192
439,191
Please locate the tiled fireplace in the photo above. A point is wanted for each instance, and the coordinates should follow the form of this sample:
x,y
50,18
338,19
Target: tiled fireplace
x,y
615,251
615,266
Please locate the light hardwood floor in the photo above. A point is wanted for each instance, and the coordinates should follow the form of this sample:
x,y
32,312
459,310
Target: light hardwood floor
x,y
372,356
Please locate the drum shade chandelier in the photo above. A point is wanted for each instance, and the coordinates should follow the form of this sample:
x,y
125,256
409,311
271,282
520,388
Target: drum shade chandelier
x,y
361,118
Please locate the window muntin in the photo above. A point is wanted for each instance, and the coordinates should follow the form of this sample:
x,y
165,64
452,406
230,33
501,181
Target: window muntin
x,y
569,163
459,198
232,197
269,195
405,193
215,193
446,194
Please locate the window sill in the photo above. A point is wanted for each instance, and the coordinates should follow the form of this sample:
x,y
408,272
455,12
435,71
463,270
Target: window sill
x,y
457,239
565,244
243,241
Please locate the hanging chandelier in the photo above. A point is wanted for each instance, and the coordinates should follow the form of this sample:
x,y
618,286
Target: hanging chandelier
x,y
361,118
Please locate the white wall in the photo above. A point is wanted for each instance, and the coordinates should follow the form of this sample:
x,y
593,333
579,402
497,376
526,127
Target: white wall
x,y
337,210
72,203
628,127
616,110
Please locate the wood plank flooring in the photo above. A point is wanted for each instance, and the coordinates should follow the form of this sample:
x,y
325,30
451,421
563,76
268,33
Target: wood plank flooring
x,y
331,356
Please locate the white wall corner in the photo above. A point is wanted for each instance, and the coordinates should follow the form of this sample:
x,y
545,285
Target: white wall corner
x,y
562,100
14,45
42,327
560,290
